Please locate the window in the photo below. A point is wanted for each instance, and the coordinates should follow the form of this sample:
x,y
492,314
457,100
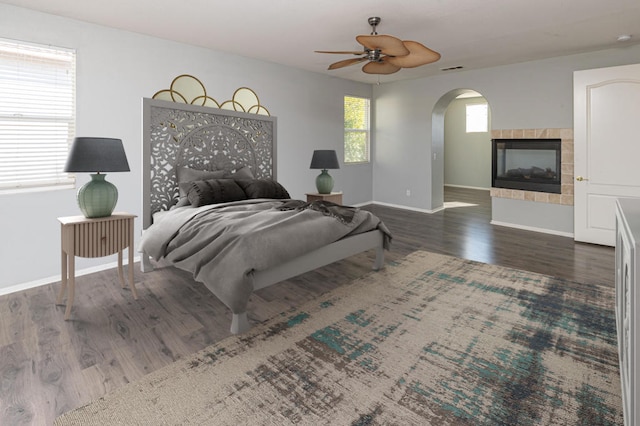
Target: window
x,y
477,118
356,130
37,114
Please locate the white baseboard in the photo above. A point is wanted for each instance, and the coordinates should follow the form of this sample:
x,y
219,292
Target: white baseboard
x,y
467,187
56,278
532,228
398,206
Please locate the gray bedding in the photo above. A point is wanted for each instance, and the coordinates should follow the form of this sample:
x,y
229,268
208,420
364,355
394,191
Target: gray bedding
x,y
223,244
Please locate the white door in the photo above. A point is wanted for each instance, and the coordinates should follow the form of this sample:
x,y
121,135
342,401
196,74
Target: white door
x,y
606,125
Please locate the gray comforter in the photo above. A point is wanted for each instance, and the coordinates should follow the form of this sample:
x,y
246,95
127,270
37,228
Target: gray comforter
x,y
222,244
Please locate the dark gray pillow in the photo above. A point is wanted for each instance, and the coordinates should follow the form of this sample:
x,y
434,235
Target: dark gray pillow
x,y
186,175
214,191
243,172
263,188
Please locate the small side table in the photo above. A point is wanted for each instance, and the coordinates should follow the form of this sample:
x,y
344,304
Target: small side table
x,y
334,197
84,237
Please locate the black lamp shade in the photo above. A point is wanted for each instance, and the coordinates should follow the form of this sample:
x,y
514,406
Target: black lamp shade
x,y
324,159
93,155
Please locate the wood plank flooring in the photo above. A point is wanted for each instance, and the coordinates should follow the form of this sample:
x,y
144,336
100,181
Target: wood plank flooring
x,y
49,366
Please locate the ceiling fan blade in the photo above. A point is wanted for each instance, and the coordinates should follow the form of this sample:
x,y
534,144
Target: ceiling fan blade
x,y
346,63
389,45
343,52
419,55
382,67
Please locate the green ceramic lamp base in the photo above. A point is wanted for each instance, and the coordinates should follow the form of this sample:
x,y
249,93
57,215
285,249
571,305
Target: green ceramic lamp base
x,y
324,183
97,198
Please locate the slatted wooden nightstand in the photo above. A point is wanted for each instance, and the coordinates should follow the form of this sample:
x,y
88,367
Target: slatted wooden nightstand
x,y
334,197
84,237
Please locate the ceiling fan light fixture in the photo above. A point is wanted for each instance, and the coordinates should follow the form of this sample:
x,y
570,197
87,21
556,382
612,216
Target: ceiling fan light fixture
x,y
373,55
386,54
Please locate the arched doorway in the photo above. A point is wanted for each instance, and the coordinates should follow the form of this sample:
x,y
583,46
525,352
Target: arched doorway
x,y
438,146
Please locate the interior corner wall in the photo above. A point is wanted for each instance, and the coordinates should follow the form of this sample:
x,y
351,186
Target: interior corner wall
x,y
467,156
115,70
529,95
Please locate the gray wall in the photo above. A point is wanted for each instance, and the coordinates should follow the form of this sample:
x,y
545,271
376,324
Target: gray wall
x,y
115,70
535,94
552,218
467,156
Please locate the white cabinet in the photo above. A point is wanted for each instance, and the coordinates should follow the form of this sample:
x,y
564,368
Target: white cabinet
x,y
628,304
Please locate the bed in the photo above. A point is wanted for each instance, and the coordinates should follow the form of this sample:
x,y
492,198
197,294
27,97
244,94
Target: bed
x,y
194,160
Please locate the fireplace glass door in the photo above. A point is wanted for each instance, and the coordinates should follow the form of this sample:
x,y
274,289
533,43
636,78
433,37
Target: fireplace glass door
x,y
527,164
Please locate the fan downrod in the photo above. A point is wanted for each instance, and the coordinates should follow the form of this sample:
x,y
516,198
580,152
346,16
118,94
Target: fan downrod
x,y
374,21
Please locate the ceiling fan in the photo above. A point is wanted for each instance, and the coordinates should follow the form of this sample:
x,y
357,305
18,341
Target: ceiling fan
x,y
385,54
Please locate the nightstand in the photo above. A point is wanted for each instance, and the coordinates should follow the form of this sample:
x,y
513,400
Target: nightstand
x,y
334,197
84,237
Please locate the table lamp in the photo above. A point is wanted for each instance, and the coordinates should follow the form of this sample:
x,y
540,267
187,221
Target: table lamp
x,y
97,198
324,159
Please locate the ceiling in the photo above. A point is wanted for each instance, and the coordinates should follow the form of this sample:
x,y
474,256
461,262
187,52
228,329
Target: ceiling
x,y
467,33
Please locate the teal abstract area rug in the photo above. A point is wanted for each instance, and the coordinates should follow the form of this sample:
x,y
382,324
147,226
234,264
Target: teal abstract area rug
x,y
430,340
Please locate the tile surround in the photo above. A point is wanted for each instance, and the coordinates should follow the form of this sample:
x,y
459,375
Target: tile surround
x,y
566,176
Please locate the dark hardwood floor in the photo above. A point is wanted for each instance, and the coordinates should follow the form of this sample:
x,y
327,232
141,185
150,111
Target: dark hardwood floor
x,y
465,231
49,366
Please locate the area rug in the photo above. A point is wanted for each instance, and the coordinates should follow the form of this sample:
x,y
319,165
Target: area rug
x,y
429,340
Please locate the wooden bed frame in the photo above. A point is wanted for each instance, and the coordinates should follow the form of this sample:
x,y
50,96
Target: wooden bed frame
x,y
176,135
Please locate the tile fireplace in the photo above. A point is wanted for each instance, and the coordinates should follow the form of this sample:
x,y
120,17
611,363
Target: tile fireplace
x,y
566,176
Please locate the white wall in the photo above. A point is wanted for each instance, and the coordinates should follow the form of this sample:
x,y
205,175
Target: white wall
x,y
467,156
535,94
115,70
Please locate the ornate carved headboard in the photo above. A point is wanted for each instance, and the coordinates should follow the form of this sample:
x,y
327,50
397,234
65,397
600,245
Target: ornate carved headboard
x,y
176,135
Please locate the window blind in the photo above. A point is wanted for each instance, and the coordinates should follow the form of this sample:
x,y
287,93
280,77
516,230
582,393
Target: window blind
x,y
37,114
356,130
